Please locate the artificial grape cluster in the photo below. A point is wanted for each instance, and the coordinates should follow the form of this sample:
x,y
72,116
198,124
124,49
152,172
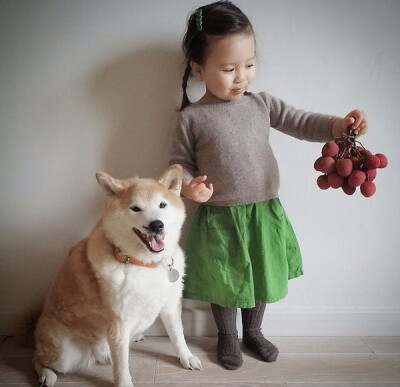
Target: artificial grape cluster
x,y
347,164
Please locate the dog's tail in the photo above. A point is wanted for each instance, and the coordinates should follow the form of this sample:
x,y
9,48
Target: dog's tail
x,y
25,325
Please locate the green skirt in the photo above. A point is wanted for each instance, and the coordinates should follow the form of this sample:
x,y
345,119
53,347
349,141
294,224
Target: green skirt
x,y
238,255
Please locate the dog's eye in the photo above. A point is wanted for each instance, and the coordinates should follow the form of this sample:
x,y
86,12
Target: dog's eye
x,y
136,209
163,205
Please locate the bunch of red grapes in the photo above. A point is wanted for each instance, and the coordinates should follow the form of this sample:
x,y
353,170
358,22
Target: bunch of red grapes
x,y
347,164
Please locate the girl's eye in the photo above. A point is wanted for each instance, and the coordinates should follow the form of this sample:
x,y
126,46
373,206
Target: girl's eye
x,y
228,70
163,205
136,209
250,65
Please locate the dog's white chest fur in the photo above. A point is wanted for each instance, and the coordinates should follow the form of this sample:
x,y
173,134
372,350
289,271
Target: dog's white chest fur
x,y
137,294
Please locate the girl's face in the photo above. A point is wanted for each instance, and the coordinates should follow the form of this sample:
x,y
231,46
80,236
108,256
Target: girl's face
x,y
229,67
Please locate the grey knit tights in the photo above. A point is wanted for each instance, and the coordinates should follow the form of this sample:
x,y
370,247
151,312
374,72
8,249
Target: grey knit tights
x,y
252,336
228,347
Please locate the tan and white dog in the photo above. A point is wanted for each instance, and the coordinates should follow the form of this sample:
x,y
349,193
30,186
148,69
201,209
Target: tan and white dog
x,y
115,283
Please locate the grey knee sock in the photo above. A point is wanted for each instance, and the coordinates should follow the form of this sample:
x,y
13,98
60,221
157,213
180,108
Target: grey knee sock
x,y
228,347
252,336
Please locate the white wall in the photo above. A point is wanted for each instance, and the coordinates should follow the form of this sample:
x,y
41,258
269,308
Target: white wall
x,y
92,85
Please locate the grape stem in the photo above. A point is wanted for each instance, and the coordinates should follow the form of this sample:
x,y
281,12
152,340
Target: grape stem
x,y
348,145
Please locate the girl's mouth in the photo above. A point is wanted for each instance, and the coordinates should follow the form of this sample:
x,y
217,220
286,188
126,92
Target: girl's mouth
x,y
238,91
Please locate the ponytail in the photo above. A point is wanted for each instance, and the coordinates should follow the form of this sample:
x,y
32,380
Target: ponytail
x,y
185,98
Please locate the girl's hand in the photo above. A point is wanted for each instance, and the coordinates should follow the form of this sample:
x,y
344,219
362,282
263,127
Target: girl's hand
x,y
356,119
197,190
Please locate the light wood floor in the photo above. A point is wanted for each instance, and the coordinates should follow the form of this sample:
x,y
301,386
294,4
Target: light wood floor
x,y
303,361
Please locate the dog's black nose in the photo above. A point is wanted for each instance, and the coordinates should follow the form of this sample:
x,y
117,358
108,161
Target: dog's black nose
x,y
156,226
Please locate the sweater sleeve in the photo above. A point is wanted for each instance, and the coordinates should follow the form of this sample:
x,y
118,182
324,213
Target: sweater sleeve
x,y
298,123
183,149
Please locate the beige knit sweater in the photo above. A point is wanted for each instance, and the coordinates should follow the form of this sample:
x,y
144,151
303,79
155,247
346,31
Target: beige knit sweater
x,y
229,142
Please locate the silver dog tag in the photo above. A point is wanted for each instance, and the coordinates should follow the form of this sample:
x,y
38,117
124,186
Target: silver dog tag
x,y
173,274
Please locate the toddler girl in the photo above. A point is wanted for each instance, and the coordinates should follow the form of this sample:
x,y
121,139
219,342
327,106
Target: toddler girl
x,y
241,250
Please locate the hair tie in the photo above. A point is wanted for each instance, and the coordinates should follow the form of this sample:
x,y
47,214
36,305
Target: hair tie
x,y
199,19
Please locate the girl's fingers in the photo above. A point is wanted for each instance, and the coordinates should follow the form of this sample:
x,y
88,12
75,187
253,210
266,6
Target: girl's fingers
x,y
198,179
358,117
207,193
363,128
202,187
199,188
349,123
358,121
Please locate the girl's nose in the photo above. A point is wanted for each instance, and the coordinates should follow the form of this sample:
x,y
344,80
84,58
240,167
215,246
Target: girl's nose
x,y
239,76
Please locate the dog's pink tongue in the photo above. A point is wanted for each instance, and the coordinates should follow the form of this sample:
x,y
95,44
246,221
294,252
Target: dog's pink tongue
x,y
156,243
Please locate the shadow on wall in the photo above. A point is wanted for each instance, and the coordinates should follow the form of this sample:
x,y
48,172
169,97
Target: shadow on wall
x,y
139,93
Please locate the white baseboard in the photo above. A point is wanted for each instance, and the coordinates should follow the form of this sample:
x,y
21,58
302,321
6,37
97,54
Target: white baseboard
x,y
301,322
333,322
283,322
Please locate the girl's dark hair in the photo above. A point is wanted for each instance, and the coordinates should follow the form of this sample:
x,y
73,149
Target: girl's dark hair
x,y
219,18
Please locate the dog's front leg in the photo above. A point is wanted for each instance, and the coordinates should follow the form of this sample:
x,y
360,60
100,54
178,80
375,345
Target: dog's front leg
x,y
118,340
171,316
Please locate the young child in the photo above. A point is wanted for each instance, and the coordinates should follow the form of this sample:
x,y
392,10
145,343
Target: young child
x,y
241,249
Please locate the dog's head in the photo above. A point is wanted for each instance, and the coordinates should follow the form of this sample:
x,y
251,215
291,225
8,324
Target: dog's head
x,y
144,214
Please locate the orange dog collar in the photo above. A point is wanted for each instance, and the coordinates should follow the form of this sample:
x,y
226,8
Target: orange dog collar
x,y
128,259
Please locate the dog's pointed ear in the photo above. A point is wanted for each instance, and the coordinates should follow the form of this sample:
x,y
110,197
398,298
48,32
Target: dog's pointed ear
x,y
110,185
172,178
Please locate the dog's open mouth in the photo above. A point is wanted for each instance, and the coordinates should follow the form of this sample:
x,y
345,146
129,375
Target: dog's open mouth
x,y
154,242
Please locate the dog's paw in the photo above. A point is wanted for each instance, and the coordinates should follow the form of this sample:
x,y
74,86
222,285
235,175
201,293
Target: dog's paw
x,y
191,363
47,378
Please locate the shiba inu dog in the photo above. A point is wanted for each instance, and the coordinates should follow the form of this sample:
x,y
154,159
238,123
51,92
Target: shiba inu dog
x,y
114,283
